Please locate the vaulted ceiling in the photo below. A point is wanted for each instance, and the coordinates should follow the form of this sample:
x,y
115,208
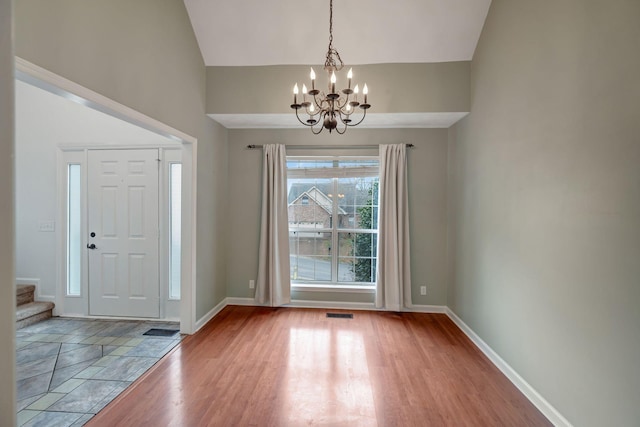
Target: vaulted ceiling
x,y
270,32
243,33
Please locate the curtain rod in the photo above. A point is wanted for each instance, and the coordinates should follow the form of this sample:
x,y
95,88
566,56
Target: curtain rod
x,y
321,147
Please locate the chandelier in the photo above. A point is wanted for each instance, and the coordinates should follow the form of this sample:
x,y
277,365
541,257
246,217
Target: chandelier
x,y
330,110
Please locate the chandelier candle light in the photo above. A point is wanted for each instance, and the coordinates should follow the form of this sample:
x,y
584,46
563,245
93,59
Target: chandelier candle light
x,y
325,110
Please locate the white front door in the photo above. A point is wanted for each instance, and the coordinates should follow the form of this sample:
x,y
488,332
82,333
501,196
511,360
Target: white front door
x,y
123,241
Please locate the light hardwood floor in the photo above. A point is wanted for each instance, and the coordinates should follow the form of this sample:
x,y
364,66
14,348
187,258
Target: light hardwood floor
x,y
253,366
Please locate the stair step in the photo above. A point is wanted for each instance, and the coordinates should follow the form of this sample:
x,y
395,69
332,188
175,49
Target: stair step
x,y
24,294
33,312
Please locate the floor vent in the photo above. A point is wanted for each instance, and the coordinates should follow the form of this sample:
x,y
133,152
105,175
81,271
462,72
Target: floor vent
x,y
340,315
161,332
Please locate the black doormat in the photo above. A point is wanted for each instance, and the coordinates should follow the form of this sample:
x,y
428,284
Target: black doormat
x,y
340,315
161,332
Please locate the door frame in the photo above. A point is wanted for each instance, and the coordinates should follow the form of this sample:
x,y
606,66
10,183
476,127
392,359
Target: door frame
x,y
56,84
74,154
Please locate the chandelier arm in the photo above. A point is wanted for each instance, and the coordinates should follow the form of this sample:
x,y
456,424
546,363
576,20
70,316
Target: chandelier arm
x,y
356,124
314,114
319,130
318,104
341,106
298,117
342,115
345,113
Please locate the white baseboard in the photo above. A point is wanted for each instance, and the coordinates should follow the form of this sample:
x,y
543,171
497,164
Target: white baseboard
x,y
241,301
331,305
426,309
306,304
339,305
210,315
530,393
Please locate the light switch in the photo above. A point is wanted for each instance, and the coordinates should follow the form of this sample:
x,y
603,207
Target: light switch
x,y
46,226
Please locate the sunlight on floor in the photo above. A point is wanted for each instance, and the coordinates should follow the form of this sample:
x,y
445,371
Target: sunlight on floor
x,y
328,375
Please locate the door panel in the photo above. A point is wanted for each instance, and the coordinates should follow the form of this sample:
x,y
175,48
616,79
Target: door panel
x,y
123,214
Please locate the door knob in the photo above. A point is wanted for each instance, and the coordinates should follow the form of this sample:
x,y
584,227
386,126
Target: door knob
x,y
91,246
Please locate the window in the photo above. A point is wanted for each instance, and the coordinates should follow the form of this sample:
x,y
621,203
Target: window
x,y
175,221
74,230
333,220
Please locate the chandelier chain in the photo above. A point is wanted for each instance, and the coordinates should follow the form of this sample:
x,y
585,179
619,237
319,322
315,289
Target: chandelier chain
x,y
330,63
330,24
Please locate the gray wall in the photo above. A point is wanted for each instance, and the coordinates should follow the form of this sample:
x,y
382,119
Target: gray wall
x,y
7,284
140,53
546,202
427,164
212,220
416,88
144,55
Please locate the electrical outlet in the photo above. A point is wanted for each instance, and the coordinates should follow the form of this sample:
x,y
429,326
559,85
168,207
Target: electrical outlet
x,y
252,284
423,290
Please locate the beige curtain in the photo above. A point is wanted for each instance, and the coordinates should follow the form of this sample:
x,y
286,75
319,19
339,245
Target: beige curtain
x,y
393,288
273,287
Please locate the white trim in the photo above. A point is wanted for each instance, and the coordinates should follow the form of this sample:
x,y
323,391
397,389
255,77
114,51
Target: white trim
x,y
44,79
189,221
530,393
37,76
331,305
66,304
211,314
339,305
425,309
79,146
374,120
170,306
243,301
304,287
307,304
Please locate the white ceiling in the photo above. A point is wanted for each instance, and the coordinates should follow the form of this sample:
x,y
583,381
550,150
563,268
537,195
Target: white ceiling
x,y
263,32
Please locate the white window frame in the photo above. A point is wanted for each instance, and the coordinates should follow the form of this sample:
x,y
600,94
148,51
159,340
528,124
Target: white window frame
x,y
334,174
71,303
169,158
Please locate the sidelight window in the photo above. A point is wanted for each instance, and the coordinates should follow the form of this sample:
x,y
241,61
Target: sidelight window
x,y
175,222
74,230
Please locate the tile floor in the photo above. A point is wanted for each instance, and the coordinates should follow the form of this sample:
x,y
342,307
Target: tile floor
x,y
69,369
